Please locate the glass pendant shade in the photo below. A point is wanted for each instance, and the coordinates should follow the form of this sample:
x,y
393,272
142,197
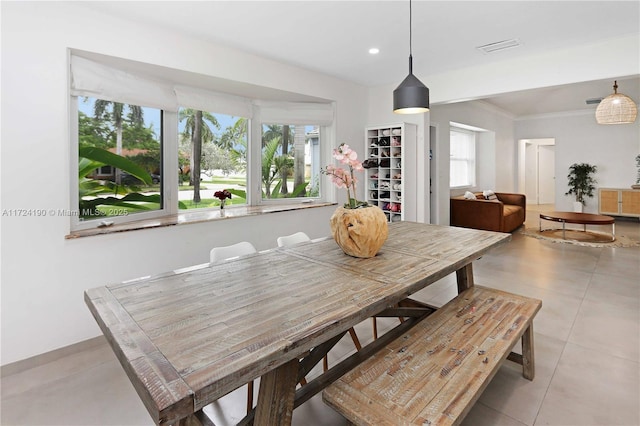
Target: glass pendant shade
x,y
616,109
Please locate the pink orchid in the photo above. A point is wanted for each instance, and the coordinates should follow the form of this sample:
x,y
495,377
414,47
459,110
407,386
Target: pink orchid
x,y
343,178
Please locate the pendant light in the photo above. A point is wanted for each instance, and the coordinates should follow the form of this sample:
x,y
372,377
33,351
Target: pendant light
x,y
411,96
616,108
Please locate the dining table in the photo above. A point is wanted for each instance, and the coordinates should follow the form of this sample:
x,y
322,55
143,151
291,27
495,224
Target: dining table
x,y
188,337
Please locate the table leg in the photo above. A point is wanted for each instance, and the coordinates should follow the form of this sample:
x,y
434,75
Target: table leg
x,y
613,232
276,394
564,224
464,277
528,359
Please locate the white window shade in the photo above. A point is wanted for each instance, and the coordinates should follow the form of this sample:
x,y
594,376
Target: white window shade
x,y
206,100
296,113
94,79
462,158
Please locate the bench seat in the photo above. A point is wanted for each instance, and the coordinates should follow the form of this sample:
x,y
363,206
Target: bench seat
x,y
434,373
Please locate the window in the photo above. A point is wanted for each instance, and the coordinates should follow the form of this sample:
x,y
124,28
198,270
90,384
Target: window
x,y
136,141
119,159
290,161
222,150
462,172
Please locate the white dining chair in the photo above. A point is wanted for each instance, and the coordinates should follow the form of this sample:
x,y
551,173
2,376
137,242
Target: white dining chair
x,y
218,254
301,237
289,240
243,248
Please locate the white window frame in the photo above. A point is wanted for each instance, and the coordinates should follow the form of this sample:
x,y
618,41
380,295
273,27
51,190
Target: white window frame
x,y
258,142
169,168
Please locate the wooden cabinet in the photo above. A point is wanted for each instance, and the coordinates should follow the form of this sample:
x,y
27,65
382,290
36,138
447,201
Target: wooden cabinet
x,y
619,202
385,159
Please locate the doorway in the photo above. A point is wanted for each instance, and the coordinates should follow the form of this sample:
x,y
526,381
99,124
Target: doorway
x,y
536,176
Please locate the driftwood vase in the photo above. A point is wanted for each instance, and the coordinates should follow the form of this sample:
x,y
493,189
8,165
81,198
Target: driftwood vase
x,y
359,232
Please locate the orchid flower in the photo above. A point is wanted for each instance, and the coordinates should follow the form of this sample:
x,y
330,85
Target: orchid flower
x,y
344,178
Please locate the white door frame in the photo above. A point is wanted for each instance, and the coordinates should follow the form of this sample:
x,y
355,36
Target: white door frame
x,y
522,144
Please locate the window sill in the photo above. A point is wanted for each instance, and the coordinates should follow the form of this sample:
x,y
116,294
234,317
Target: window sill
x,y
196,217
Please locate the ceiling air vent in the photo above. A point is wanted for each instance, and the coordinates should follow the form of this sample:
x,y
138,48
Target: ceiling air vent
x,y
499,45
593,101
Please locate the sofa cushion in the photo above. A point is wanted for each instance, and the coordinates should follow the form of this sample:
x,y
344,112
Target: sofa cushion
x,y
513,217
510,209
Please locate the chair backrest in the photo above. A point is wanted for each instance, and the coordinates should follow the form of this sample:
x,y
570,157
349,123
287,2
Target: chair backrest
x,y
243,248
289,240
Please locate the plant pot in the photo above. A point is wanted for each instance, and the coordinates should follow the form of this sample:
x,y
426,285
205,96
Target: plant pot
x,y
577,207
359,232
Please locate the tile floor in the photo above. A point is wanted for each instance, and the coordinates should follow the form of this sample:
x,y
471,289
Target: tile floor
x,y
587,340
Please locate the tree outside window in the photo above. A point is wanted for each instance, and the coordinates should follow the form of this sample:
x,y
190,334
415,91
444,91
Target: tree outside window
x,y
290,161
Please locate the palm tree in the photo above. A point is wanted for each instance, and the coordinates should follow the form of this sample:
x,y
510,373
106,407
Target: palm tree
x,y
197,129
101,111
269,172
272,132
299,141
234,135
284,171
285,134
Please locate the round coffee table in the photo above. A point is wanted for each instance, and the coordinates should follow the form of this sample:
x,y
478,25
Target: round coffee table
x,y
579,218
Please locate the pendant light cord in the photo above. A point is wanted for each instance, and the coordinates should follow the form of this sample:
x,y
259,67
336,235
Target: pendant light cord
x,y
410,43
410,30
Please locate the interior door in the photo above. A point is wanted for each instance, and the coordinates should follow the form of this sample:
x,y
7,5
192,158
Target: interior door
x,y
546,174
531,173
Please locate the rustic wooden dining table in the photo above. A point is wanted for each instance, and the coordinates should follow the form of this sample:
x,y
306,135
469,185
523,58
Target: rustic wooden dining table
x,y
189,337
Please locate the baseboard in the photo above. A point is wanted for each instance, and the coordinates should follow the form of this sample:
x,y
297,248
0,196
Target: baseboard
x,y
47,357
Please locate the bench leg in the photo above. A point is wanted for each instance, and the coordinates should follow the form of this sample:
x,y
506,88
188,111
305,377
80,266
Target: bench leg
x,y
196,419
528,359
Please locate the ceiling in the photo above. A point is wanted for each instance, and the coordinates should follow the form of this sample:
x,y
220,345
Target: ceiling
x,y
333,37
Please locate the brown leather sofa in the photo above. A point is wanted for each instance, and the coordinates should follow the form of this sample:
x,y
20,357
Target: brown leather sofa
x,y
505,214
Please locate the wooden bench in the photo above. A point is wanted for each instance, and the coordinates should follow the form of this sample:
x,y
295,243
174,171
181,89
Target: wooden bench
x,y
434,373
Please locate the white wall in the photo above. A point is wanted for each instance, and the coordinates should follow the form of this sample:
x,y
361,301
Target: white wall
x,y
43,274
579,139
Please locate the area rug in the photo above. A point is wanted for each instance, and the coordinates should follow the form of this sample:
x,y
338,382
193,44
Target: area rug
x,y
588,238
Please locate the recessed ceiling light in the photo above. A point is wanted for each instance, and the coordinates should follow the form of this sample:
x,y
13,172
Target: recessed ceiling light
x,y
374,51
499,45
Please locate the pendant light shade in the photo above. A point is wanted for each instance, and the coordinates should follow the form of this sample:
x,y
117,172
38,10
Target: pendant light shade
x,y
411,96
616,109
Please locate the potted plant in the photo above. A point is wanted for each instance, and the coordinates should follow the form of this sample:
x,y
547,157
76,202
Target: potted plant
x,y
359,228
581,183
